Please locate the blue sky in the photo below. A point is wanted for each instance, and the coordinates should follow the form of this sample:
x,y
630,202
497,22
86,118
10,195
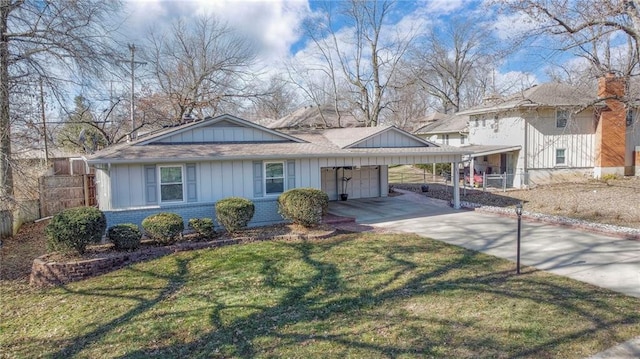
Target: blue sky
x,y
276,25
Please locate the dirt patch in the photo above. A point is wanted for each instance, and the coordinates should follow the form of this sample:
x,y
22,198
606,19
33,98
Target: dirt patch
x,y
17,253
615,202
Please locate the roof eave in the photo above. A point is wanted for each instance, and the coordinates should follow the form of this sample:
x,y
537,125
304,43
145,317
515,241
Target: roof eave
x,y
272,156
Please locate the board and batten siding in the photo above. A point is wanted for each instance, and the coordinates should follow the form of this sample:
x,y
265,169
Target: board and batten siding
x,y
221,134
103,189
389,139
632,141
506,131
544,138
216,180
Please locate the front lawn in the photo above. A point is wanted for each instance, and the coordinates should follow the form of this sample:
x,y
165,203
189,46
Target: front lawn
x,y
359,296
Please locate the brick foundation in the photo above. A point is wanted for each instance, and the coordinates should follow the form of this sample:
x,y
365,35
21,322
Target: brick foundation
x,y
266,213
45,274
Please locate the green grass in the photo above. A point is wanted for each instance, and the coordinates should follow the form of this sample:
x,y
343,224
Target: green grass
x,y
358,296
408,174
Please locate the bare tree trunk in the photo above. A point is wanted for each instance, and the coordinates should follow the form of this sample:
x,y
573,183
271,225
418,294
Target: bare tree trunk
x,y
6,174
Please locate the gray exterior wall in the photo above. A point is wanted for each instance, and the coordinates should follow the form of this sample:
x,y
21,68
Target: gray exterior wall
x,y
537,133
543,138
122,187
221,132
389,139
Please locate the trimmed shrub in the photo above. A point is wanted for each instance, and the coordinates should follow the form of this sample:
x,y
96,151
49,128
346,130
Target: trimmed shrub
x,y
304,206
234,213
125,237
163,227
203,227
75,228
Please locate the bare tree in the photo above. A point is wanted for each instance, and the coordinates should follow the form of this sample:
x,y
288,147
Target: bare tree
x,y
277,100
200,66
89,128
590,28
366,52
50,40
454,63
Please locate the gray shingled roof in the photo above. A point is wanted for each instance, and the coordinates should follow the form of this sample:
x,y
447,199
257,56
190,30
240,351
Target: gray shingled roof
x,y
552,94
303,143
344,137
445,124
310,117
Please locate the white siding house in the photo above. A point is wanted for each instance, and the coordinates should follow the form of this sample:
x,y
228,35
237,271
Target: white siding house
x,y
445,129
554,132
186,169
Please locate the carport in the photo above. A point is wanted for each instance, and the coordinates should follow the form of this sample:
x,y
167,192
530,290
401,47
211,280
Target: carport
x,y
385,209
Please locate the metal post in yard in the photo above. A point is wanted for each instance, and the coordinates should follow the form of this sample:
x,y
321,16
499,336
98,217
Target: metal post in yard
x,y
484,181
504,182
519,213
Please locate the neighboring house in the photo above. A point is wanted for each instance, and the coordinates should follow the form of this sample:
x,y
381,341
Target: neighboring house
x,y
186,169
445,129
315,117
555,131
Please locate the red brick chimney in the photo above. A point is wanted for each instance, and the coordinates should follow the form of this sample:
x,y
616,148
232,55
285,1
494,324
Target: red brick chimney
x,y
611,129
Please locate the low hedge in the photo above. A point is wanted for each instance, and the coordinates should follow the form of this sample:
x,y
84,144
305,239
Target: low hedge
x,y
75,228
125,237
304,206
203,227
163,227
234,213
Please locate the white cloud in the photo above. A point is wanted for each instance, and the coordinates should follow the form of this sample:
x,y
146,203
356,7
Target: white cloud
x,y
443,7
513,25
273,24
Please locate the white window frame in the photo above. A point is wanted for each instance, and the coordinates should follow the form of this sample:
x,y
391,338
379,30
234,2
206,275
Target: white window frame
x,y
445,138
562,115
284,177
462,139
182,183
564,157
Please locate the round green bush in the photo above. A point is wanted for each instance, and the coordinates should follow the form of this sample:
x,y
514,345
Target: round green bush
x,y
234,213
304,206
163,227
75,228
125,237
203,227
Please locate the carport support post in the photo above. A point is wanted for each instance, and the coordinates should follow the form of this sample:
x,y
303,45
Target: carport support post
x,y
456,185
472,164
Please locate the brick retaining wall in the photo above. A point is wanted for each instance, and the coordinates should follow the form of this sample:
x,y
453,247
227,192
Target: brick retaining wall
x,y
44,274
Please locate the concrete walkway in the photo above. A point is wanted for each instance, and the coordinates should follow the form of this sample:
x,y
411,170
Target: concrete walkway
x,y
598,259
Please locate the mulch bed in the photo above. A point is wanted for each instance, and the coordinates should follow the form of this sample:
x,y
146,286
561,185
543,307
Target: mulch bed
x,y
17,253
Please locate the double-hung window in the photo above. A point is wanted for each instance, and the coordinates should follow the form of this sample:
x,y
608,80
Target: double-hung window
x,y
171,184
561,158
561,118
274,177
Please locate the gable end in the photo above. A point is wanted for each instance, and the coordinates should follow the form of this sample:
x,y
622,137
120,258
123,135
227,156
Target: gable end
x,y
392,138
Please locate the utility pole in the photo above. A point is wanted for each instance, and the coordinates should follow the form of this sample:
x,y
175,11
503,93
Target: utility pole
x,y
133,64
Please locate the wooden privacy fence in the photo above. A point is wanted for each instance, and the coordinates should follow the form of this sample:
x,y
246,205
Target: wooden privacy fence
x,y
6,219
61,192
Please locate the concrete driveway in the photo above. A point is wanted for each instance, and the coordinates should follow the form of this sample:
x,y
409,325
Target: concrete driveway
x,y
604,261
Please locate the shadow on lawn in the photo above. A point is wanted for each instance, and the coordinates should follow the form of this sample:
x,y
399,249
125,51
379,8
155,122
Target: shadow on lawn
x,y
309,302
174,283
